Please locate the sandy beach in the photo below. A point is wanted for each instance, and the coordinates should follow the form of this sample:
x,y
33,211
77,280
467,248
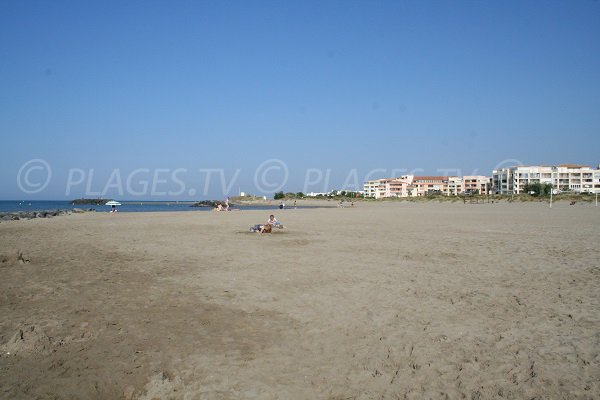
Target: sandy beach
x,y
380,301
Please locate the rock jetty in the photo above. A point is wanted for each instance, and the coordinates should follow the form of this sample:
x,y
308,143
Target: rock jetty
x,y
210,203
20,215
95,202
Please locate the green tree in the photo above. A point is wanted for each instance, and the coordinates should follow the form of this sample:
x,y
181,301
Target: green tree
x,y
533,189
538,189
278,195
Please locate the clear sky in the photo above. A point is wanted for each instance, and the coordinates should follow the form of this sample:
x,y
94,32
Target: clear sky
x,y
334,86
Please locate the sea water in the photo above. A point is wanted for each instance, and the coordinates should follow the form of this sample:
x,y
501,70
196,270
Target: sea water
x,y
137,206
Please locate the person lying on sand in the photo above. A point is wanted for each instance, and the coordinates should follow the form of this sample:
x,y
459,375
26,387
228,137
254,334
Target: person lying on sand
x,y
259,228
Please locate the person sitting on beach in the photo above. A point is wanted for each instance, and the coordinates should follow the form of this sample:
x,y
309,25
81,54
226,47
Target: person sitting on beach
x,y
272,220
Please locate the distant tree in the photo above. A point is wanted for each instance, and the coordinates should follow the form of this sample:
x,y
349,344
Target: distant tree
x,y
278,195
300,195
538,189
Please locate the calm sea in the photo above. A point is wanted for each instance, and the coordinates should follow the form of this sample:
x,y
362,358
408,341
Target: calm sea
x,y
144,206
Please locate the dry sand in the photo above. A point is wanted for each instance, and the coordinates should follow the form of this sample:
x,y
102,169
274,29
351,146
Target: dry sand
x,y
386,300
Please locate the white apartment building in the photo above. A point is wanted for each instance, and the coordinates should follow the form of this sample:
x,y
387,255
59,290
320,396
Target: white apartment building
x,y
455,186
388,187
375,187
565,177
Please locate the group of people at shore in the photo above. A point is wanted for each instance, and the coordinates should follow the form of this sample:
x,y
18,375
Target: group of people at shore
x,y
223,206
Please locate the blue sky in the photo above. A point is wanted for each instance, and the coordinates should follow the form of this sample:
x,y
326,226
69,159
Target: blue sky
x,y
344,87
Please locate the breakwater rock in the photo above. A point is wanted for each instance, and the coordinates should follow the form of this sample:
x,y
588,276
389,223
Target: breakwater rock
x,y
15,216
95,202
210,203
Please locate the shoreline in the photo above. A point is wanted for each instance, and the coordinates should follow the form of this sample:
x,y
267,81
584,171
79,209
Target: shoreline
x,y
272,206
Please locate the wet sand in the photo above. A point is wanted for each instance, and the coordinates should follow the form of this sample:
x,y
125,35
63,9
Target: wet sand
x,y
383,300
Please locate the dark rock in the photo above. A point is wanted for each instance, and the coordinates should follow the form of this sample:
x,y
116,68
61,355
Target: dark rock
x,y
96,202
211,203
205,203
25,215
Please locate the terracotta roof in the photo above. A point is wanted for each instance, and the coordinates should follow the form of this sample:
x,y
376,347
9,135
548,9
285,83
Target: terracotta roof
x,y
573,166
430,178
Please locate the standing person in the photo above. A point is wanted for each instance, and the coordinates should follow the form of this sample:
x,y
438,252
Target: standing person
x,y
227,204
295,206
281,205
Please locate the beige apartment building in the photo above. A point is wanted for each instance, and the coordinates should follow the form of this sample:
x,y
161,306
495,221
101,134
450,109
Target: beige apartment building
x,y
564,178
417,186
477,184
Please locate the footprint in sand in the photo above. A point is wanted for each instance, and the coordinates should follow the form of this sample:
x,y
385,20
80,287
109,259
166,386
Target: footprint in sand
x,y
163,385
27,340
15,258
